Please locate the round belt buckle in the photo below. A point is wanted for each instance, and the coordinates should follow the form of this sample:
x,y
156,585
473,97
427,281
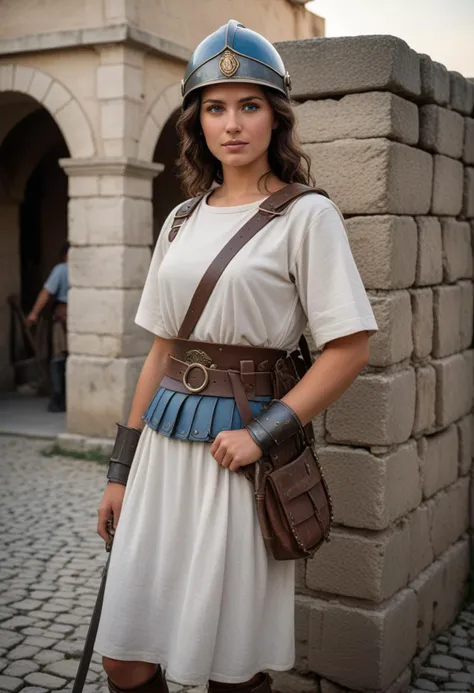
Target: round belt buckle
x,y
203,385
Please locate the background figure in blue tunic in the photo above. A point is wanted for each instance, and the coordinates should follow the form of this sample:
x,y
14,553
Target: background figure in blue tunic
x,y
56,289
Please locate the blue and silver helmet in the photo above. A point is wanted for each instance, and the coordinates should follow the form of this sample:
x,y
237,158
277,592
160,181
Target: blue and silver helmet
x,y
234,53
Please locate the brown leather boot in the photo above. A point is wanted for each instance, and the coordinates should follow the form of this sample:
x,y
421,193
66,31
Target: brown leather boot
x,y
157,684
263,686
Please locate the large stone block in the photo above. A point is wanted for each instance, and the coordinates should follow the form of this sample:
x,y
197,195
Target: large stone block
x,y
385,250
363,648
449,515
428,588
467,313
434,81
114,310
447,320
465,444
457,251
393,342
111,267
119,82
425,411
374,176
99,393
359,116
340,66
367,567
461,93
439,456
441,131
137,343
468,193
468,153
110,221
429,266
447,186
421,549
454,381
374,410
422,323
456,571
371,492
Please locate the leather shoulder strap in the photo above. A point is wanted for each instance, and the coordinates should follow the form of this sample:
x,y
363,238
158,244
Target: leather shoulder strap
x,y
270,208
185,211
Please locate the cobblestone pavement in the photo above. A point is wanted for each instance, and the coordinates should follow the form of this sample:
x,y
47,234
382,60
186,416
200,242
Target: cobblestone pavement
x,y
51,562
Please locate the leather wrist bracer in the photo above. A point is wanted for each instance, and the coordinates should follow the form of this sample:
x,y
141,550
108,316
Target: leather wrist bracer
x,y
126,442
274,425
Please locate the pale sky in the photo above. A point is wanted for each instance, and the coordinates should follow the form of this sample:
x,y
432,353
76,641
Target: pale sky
x,y
444,29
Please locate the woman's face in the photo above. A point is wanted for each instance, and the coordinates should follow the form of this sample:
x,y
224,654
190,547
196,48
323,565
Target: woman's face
x,y
237,122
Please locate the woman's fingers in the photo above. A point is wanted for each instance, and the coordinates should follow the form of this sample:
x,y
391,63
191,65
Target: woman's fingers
x,y
104,514
116,509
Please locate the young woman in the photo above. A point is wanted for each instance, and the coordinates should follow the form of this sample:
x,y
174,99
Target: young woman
x,y
192,589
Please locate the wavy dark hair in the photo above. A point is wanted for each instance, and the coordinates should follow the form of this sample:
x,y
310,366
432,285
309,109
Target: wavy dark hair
x,y
198,169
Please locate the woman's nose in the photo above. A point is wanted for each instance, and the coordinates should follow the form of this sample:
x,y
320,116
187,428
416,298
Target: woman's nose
x,y
232,124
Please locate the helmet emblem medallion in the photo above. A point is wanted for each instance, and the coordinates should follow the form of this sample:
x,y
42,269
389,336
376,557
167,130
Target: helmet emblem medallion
x,y
228,64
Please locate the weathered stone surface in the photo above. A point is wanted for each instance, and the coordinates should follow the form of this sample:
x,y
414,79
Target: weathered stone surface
x,y
429,266
359,116
434,81
339,635
467,306
447,320
461,93
441,131
456,569
446,662
387,415
393,342
372,492
385,250
110,221
449,515
453,387
46,680
465,427
352,565
340,66
468,193
109,267
428,586
468,151
103,397
457,251
439,460
447,186
422,322
425,410
114,311
354,172
10,683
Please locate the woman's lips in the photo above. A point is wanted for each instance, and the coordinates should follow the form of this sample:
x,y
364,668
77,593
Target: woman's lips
x,y
235,147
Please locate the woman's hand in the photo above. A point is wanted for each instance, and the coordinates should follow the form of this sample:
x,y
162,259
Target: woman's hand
x,y
110,506
235,449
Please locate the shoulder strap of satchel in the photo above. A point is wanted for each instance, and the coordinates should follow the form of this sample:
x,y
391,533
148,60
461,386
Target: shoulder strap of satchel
x,y
270,208
182,214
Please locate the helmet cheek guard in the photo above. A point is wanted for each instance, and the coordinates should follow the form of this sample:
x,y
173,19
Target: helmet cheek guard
x,y
234,53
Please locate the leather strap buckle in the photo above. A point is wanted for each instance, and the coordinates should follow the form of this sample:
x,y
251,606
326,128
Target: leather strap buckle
x,y
199,388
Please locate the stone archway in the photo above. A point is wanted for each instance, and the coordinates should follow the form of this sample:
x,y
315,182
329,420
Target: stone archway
x,y
57,100
162,109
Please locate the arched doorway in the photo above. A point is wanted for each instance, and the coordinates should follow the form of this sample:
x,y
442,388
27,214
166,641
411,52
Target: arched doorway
x,y
167,191
33,228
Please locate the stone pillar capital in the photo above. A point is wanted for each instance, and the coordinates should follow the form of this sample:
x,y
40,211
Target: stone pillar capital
x,y
111,166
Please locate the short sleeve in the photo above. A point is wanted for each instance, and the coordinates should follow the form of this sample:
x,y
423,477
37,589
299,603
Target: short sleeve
x,y
328,282
149,313
53,281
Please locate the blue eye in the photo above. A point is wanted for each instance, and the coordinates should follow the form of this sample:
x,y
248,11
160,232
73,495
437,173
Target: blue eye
x,y
253,106
210,109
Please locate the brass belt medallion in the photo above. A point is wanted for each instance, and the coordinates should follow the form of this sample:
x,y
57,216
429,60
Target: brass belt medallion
x,y
197,359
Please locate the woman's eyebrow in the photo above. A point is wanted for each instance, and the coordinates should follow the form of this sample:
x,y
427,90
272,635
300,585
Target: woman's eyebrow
x,y
246,98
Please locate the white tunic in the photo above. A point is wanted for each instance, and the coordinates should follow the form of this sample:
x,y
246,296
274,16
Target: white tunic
x,y
191,585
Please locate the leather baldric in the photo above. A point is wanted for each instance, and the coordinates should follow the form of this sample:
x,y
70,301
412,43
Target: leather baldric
x,y
270,208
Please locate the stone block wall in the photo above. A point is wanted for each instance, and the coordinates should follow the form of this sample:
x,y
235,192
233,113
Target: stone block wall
x,y
391,138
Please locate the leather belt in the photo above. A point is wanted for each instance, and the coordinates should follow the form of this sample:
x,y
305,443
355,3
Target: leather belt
x,y
195,378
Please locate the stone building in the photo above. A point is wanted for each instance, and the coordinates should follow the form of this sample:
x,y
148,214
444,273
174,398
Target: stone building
x,y
391,136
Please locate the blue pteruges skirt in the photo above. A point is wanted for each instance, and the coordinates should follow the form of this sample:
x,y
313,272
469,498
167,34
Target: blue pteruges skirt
x,y
196,417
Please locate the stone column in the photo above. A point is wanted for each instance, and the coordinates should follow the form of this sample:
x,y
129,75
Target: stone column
x,y
110,231
10,282
386,132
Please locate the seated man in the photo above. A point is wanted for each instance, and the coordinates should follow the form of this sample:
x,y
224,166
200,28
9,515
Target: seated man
x,y
56,288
